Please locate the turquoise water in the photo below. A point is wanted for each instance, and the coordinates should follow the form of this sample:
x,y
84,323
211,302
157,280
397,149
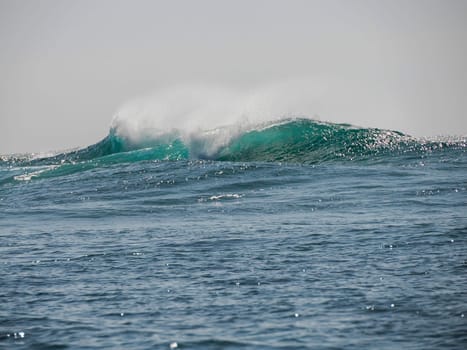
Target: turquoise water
x,y
290,235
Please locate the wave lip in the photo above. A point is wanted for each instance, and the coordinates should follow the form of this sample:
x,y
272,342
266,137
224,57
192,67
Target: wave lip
x,y
297,140
294,140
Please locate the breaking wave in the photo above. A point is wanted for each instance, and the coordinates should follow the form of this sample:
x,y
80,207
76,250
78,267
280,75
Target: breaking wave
x,y
294,140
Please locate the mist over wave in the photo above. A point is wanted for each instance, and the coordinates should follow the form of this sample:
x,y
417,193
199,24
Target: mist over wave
x,y
195,107
209,119
190,110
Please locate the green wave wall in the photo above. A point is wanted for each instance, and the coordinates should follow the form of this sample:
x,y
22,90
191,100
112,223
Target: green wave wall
x,y
294,140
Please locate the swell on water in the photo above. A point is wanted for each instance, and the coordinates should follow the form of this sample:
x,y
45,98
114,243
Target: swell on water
x,y
293,140
212,123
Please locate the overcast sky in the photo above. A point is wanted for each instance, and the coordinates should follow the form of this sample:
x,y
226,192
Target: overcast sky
x,y
67,66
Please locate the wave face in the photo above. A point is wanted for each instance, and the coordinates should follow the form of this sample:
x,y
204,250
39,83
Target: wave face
x,y
296,140
308,141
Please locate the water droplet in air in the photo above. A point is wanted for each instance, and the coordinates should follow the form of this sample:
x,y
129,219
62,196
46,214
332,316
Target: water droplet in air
x,y
392,305
173,345
296,314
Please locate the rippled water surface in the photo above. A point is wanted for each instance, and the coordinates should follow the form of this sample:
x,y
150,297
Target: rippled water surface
x,y
194,254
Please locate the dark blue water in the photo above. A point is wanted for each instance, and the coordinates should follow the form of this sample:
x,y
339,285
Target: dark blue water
x,y
361,249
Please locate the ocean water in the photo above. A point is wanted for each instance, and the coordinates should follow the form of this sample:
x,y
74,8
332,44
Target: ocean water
x,y
294,234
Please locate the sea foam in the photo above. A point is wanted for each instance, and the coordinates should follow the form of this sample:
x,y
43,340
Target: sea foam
x,y
200,111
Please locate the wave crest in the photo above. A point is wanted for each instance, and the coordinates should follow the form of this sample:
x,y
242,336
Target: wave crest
x,y
292,140
297,140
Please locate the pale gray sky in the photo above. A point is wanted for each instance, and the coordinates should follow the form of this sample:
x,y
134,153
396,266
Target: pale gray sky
x,y
67,66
